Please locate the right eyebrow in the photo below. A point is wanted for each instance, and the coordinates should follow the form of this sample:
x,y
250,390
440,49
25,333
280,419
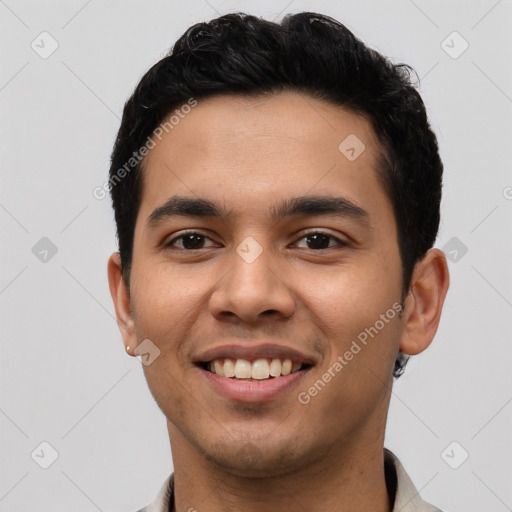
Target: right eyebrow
x,y
186,207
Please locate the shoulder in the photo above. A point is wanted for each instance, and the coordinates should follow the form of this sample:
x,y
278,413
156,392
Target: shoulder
x,y
407,498
163,499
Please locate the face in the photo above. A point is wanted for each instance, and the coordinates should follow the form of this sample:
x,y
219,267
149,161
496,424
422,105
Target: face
x,y
249,270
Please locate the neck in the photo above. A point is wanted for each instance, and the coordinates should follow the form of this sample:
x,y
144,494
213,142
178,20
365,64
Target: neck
x,y
348,478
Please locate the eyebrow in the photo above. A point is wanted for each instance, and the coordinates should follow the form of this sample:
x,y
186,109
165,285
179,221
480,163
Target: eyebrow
x,y
303,205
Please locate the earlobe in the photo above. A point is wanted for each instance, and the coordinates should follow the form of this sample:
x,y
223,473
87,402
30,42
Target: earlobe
x,y
121,298
424,303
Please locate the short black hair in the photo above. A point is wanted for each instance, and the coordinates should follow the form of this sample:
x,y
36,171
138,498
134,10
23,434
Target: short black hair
x,y
308,53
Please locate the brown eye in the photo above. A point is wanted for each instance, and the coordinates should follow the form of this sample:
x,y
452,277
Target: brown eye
x,y
189,241
319,241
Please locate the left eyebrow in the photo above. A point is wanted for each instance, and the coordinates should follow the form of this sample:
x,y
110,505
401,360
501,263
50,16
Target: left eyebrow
x,y
303,205
320,205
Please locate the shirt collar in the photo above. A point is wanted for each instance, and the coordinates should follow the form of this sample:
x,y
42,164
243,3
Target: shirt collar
x,y
407,498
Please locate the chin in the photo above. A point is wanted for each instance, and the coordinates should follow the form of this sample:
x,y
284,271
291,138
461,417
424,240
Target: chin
x,y
253,459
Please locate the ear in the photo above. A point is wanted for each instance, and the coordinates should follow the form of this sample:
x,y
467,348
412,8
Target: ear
x,y
423,304
121,297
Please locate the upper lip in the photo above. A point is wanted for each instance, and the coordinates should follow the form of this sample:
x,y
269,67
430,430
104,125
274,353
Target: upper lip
x,y
253,352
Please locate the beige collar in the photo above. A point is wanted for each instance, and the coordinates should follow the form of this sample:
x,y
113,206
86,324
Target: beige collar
x,y
407,498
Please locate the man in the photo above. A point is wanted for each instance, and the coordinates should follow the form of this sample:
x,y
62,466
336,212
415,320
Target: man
x,y
276,191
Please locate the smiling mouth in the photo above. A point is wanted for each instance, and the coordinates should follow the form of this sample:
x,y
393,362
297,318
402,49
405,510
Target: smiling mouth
x,y
259,369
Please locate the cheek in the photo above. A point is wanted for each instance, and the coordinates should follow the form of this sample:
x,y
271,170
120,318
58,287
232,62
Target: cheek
x,y
355,307
163,309
159,312
349,298
162,294
362,329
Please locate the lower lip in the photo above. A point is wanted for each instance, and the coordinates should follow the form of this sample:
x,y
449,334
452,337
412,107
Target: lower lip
x,y
251,391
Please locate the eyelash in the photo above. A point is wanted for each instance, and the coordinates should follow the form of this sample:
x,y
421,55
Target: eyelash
x,y
169,245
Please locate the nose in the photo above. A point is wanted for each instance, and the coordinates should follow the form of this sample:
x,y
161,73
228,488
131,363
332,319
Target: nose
x,y
249,291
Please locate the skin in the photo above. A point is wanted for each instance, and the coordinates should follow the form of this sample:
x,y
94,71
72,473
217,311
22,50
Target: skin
x,y
248,154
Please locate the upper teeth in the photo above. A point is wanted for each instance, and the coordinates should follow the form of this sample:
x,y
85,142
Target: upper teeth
x,y
258,369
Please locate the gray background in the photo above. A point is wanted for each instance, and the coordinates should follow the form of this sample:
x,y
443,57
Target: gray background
x,y
64,377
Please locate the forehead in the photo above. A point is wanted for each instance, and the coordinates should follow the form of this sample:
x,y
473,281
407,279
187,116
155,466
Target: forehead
x,y
267,125
249,151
